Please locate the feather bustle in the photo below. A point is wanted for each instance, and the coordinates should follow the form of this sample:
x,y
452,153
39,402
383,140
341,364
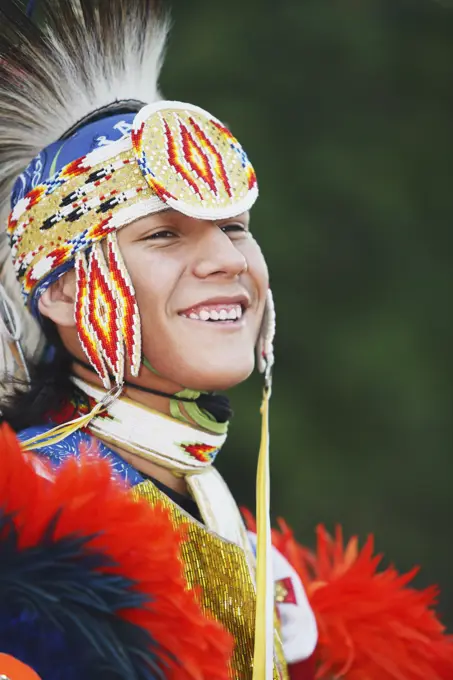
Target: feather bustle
x,y
372,622
135,581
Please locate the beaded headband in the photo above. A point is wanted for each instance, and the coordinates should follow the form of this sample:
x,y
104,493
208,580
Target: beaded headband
x,y
177,155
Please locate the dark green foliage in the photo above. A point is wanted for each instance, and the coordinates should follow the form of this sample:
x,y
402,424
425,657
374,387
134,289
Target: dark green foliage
x,y
346,110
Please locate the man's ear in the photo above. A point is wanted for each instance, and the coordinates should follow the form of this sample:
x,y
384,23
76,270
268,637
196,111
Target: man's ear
x,y
58,300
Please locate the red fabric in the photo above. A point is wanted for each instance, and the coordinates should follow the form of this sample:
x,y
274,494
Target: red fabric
x,y
304,670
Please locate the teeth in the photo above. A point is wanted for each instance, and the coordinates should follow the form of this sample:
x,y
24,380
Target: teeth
x,y
213,315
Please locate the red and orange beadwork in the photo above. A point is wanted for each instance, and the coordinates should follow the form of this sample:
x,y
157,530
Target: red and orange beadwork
x,y
192,161
107,316
201,452
129,315
213,156
103,313
176,156
86,335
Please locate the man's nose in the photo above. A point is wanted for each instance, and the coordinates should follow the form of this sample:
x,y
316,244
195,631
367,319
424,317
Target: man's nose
x,y
218,255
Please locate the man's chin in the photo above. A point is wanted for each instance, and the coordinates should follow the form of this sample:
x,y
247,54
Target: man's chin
x,y
219,378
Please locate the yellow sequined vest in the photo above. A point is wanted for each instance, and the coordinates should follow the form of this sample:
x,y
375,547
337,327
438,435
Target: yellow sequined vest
x,y
227,590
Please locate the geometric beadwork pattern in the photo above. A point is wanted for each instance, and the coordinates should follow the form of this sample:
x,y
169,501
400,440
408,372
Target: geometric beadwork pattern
x,y
106,312
129,316
97,317
176,155
201,452
192,161
103,313
86,336
68,213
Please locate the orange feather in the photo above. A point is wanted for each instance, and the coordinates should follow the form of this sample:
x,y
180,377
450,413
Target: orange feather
x,y
140,539
373,625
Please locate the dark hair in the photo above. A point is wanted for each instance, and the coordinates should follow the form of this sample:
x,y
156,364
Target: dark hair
x,y
50,386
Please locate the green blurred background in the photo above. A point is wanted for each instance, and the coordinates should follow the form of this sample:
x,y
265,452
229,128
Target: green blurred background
x,y
345,107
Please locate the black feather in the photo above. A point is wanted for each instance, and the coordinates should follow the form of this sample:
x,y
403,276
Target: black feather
x,y
59,611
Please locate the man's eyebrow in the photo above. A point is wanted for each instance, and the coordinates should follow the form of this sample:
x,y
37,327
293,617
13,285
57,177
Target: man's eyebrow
x,y
237,218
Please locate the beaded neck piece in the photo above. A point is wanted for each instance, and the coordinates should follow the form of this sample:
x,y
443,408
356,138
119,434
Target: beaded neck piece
x,y
181,447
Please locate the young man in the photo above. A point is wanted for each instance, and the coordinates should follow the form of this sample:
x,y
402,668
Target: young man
x,y
131,239
130,234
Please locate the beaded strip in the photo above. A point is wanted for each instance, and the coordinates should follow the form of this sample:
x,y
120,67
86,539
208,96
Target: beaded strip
x,y
82,319
106,312
129,315
73,210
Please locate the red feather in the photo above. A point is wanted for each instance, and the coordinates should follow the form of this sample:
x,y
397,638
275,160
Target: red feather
x,y
372,624
140,539
15,669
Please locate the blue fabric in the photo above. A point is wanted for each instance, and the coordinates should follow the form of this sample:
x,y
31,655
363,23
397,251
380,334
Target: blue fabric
x,y
56,454
54,157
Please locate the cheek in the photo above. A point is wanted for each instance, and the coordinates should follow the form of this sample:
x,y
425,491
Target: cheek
x,y
154,278
146,282
257,269
151,280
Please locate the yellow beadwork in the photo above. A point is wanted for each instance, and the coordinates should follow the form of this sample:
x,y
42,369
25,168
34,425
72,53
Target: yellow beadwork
x,y
177,156
31,244
189,156
227,590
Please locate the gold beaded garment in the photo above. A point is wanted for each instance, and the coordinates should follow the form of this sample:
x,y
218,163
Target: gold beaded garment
x,y
227,592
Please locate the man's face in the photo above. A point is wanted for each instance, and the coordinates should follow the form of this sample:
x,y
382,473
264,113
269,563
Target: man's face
x,y
201,289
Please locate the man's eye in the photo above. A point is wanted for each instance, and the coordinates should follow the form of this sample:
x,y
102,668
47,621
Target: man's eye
x,y
228,228
163,233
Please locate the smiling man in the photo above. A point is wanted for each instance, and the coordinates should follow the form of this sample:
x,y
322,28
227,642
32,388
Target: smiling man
x,y
130,237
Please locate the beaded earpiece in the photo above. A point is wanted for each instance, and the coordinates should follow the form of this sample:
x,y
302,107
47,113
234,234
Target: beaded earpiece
x,y
127,304
265,344
107,317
